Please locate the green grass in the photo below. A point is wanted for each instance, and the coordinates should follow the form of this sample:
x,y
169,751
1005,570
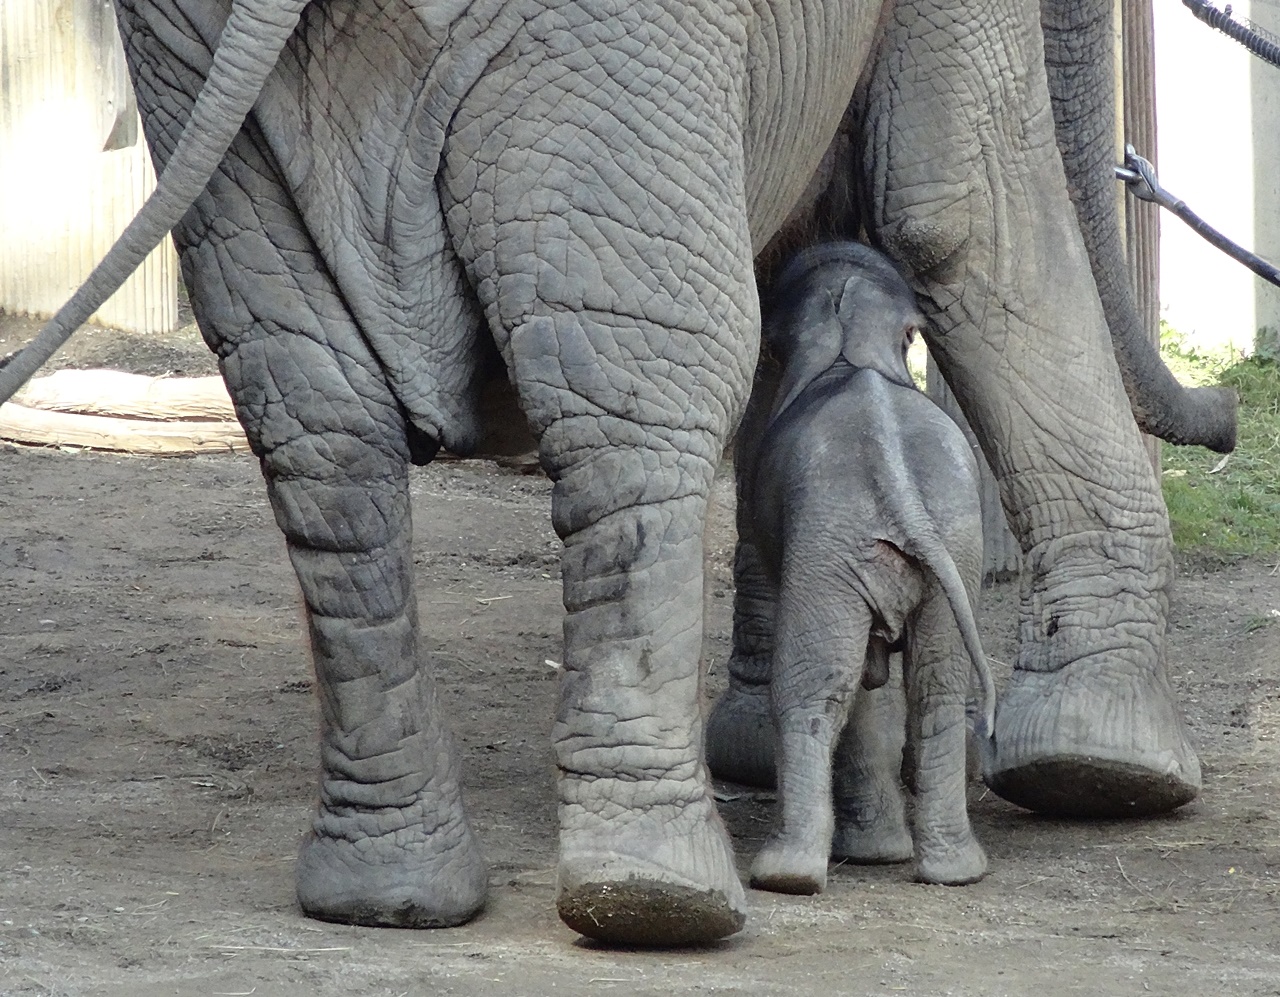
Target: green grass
x,y
1234,511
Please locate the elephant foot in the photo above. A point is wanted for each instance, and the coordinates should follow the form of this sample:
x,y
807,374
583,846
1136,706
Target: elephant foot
x,y
955,865
665,877
785,865
878,843
870,815
740,736
1093,741
645,909
419,875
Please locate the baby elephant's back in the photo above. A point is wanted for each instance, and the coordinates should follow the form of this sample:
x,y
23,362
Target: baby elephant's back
x,y
856,445
942,463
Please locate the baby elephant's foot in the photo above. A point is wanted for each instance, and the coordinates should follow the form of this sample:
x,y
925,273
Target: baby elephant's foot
x,y
952,865
883,841
785,865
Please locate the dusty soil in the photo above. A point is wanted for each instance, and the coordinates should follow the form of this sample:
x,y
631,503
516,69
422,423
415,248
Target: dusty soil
x,y
157,756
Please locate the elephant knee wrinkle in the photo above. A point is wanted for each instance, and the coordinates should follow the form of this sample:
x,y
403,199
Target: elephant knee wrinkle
x,y
933,247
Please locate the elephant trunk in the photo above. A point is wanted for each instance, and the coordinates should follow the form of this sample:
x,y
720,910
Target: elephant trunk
x,y
256,31
1078,39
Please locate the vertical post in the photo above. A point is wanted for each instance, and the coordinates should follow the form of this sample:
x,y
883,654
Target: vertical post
x,y
1264,88
1001,555
1137,90
1121,81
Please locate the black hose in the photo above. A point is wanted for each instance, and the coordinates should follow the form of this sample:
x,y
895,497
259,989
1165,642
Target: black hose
x,y
1263,48
1140,177
1202,228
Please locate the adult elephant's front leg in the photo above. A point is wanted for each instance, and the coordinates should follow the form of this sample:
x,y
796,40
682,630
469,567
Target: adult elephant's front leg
x,y
604,225
968,191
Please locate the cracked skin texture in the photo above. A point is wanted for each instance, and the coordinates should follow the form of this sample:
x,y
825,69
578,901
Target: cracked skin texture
x,y
997,265
427,195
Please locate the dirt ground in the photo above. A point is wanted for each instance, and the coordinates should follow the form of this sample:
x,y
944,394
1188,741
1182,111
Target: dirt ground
x,y
157,755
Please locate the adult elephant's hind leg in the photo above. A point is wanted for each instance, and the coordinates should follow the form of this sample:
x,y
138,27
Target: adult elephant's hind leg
x,y
644,857
389,843
604,223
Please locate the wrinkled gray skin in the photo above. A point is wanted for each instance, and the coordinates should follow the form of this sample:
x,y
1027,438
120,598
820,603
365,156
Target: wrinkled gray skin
x,y
862,496
426,195
1078,42
1088,725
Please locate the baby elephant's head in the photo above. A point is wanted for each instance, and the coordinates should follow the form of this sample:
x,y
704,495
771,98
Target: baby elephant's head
x,y
840,302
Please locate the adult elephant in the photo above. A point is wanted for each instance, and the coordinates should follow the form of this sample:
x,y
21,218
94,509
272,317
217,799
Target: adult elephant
x,y
426,194
1088,726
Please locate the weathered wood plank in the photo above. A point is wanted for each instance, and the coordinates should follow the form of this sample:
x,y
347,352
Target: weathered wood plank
x,y
1141,218
115,393
29,425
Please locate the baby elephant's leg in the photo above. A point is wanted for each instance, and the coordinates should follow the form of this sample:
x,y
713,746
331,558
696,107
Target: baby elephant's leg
x,y
821,641
871,821
937,671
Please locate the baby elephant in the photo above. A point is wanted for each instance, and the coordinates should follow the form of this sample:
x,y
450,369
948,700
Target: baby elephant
x,y
863,498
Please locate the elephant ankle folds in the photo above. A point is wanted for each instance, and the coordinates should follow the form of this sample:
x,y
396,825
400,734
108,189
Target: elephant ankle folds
x,y
1069,575
355,787
644,789
413,820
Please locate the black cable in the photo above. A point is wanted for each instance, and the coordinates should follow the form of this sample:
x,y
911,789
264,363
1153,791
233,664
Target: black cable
x,y
1140,177
1264,49
1206,231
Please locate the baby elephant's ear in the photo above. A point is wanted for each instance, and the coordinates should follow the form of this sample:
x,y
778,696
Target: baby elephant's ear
x,y
813,342
872,321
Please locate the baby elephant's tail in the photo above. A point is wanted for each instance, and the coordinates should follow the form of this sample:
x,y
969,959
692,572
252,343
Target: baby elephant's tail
x,y
984,726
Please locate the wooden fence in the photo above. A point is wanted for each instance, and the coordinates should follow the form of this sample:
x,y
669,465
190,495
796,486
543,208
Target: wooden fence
x,y
74,168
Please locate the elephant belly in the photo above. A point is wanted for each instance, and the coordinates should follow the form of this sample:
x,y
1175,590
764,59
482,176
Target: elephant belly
x,y
804,60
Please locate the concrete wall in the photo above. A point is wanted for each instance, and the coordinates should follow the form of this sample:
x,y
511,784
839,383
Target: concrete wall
x,y
1219,138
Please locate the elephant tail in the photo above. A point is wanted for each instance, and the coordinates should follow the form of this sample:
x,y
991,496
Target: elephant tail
x,y
933,552
255,33
922,540
1079,36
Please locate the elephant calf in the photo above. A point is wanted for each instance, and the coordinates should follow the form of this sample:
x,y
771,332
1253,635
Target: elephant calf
x,y
863,498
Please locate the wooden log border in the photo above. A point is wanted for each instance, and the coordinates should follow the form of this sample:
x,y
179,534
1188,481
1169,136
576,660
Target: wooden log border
x,y
125,413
